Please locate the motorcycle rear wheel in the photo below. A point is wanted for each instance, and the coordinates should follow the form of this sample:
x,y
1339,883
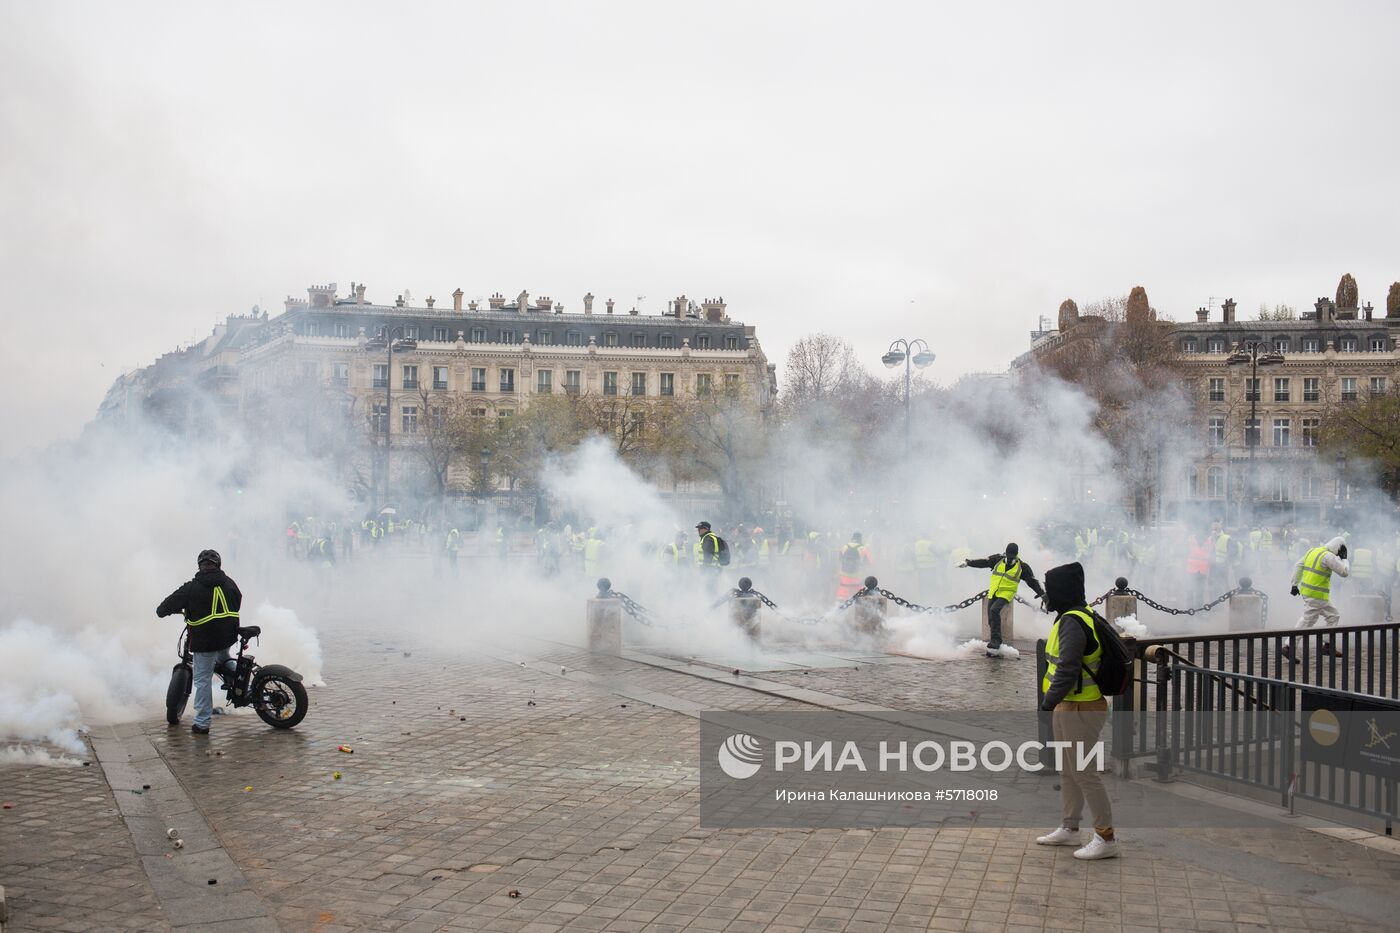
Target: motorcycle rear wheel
x,y
177,694
281,703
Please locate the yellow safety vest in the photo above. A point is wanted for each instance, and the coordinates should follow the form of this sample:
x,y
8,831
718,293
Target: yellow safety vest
x,y
1361,563
924,557
1315,579
1087,689
1222,549
1005,580
218,609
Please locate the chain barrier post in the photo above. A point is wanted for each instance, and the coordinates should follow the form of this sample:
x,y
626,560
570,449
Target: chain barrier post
x,y
1246,608
1008,621
604,617
868,609
1120,602
1366,609
743,609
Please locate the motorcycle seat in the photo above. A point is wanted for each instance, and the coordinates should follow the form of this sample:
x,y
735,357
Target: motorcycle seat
x,y
251,631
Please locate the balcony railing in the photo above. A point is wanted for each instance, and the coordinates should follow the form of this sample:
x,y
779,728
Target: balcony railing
x,y
410,383
508,386
571,390
1312,396
478,387
381,383
1348,396
1281,396
1251,396
1217,396
439,385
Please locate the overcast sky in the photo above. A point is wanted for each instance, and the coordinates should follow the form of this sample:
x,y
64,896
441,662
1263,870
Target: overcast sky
x,y
872,170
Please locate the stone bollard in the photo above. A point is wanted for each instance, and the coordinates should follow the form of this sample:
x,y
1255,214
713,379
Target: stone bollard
x,y
1008,621
1364,609
605,622
1246,609
743,609
868,611
1121,603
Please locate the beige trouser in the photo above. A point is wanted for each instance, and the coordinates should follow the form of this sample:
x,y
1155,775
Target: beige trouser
x,y
1314,609
1081,723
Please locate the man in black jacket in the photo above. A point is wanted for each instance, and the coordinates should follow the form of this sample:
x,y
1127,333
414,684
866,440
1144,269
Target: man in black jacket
x,y
1008,572
210,604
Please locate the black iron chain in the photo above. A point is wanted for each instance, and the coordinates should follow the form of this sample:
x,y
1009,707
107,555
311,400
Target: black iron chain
x,y
901,601
639,612
1184,612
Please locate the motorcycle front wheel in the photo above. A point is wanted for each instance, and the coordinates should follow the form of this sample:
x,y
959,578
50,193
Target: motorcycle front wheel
x,y
281,703
177,694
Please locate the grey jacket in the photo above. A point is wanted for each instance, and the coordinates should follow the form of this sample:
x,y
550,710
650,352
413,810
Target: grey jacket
x,y
1072,646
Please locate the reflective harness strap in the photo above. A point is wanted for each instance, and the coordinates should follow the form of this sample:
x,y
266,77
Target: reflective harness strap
x,y
218,609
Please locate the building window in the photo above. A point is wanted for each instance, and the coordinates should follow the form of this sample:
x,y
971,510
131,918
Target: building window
x,y
1215,345
639,383
668,384
1310,429
610,339
310,371
639,340
1251,432
1280,491
1217,432
440,334
478,335
478,412
1281,388
1347,345
1280,344
1188,345
502,415
1217,389
609,383
410,419
1377,386
1282,432
437,417
439,377
544,337
731,383
1311,345
1193,485
702,341
1251,390
340,373
379,417
573,338
704,382
544,381
666,341
507,336
1348,388
478,379
381,375
571,381
342,330
1215,482
313,329
410,332
1311,486
731,342
1378,345
410,376
1311,392
507,380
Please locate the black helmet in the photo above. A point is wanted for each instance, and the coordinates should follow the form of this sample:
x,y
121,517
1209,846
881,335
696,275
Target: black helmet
x,y
704,525
1012,549
209,556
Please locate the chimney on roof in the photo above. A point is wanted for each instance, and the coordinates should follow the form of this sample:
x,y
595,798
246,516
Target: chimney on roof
x,y
713,309
360,294
588,303
457,300
472,306
1229,310
398,302
1326,310
1202,315
546,303
496,301
1368,310
681,304
610,306
429,301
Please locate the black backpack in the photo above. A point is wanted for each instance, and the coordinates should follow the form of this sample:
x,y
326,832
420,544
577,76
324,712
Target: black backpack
x,y
850,559
1115,674
722,551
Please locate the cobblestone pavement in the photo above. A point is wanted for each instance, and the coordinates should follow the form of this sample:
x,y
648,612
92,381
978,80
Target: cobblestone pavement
x,y
571,779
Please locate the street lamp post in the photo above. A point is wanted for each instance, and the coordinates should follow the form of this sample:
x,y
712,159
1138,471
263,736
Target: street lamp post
x,y
485,475
1256,355
386,342
907,352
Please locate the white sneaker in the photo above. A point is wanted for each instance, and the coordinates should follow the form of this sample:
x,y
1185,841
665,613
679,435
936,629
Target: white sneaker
x,y
1098,847
1061,837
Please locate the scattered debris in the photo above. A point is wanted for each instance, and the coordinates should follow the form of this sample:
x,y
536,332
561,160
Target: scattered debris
x,y
736,672
179,843
624,705
145,787
513,892
529,702
461,719
247,788
347,749
408,654
213,880
171,833
335,776
87,764
7,805
561,669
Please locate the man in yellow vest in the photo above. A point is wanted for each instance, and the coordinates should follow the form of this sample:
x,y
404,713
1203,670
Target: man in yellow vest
x,y
1008,570
1312,580
673,553
925,565
592,552
210,603
1363,570
1072,653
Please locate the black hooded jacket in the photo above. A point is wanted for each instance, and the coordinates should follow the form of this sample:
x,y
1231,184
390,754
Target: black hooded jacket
x,y
1064,590
196,600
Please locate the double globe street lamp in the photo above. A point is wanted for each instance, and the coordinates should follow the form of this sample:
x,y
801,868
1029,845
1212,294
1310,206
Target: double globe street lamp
x,y
387,342
910,353
1256,355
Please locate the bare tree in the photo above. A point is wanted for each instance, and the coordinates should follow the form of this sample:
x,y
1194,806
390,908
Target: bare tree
x,y
819,366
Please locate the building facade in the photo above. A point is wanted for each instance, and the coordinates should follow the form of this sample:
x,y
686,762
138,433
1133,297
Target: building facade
x,y
1255,452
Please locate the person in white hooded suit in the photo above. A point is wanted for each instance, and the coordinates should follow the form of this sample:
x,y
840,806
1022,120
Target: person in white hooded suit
x,y
1312,580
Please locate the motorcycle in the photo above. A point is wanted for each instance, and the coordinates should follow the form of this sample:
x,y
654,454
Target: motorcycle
x,y
274,691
